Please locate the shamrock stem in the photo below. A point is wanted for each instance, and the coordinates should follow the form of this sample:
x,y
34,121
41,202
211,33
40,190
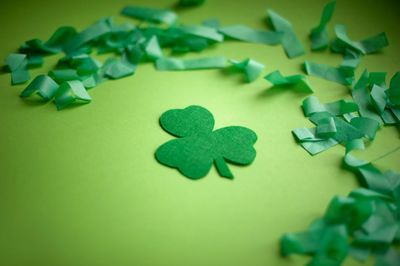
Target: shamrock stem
x,y
222,168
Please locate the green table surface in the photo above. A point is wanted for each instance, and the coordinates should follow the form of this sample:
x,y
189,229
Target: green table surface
x,y
82,187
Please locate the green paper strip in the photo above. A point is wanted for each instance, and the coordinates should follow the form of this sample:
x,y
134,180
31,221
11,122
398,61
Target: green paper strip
x,y
361,96
42,85
61,75
54,45
277,79
172,64
378,97
312,105
393,93
18,66
351,59
150,14
290,42
35,61
367,46
186,3
153,49
310,142
368,126
251,68
319,35
203,31
341,75
326,128
246,34
116,69
71,92
95,31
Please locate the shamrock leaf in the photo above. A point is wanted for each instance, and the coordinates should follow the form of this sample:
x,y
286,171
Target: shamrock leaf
x,y
198,146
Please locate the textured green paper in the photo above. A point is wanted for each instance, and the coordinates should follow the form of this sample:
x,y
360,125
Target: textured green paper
x,y
173,64
341,75
277,79
53,45
203,31
71,92
42,85
251,68
198,146
150,14
116,69
312,105
319,35
247,34
18,66
367,46
290,41
97,30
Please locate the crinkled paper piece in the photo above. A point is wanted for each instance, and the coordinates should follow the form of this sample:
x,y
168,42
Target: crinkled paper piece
x,y
290,41
341,75
155,15
95,31
363,224
376,100
42,85
172,64
319,35
55,44
251,68
247,34
368,46
197,147
71,92
18,66
277,79
312,105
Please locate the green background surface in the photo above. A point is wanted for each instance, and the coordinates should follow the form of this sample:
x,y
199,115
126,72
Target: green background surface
x,y
82,187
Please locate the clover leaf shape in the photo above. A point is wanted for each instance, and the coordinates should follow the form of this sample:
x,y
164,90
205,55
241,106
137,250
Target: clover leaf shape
x,y
198,146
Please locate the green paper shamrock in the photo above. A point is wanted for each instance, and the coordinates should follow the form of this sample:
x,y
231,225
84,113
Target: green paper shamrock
x,y
198,146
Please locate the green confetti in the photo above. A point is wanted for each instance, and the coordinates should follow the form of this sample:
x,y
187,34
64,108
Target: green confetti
x,y
308,139
351,59
150,14
71,92
203,31
290,42
18,66
319,35
360,94
54,45
375,99
173,64
393,93
152,49
251,68
277,79
367,46
95,31
341,75
42,85
67,74
312,105
198,146
116,68
246,34
187,3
